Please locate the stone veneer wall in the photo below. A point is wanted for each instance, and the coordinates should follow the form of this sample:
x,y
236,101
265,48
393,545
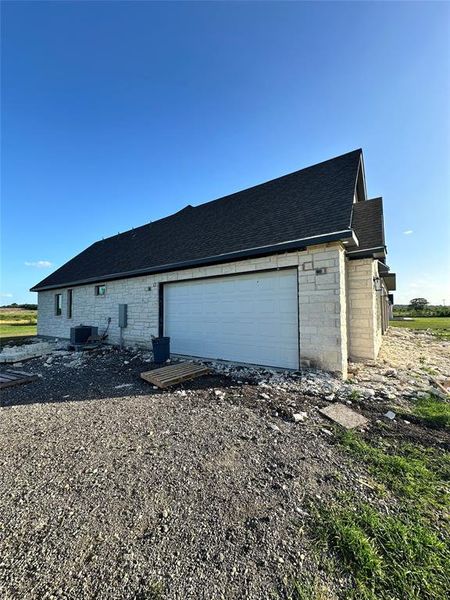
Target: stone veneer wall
x,y
322,303
364,310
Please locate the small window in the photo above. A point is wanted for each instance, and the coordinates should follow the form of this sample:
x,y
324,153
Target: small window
x,y
100,290
58,305
69,303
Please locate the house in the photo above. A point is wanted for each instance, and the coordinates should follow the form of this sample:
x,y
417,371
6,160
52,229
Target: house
x,y
286,271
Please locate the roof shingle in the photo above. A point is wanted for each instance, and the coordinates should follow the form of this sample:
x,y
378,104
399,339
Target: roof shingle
x,y
368,224
314,201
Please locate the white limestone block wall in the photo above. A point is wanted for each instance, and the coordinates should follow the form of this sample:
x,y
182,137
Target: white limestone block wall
x,y
364,320
323,308
322,303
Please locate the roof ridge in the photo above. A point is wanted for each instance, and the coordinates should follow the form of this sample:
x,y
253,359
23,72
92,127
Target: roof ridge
x,y
229,196
247,189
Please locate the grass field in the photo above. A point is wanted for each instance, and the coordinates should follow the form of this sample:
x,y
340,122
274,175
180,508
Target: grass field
x,y
440,326
405,554
400,553
17,322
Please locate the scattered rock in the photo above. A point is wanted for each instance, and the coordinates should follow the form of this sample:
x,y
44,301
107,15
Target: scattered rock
x,y
437,392
76,363
390,372
299,417
326,431
274,427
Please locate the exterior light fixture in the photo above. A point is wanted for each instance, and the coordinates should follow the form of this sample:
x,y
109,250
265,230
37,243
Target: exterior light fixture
x,y
377,284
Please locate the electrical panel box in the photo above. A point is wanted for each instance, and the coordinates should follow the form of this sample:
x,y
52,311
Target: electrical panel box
x,y
123,315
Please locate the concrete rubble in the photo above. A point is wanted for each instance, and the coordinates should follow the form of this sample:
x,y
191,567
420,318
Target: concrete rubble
x,y
344,416
411,364
14,354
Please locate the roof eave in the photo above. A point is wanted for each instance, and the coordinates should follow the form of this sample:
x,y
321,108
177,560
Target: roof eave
x,y
377,252
390,281
346,235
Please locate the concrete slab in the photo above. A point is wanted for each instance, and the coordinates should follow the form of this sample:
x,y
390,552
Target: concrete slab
x,y
16,354
344,416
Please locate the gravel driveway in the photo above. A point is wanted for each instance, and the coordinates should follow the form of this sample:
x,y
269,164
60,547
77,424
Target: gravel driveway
x,y
111,489
186,494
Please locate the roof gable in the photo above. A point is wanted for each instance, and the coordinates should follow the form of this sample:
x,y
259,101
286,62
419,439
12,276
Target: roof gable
x,y
368,224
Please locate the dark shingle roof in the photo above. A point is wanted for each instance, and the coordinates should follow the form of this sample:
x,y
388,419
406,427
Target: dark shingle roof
x,y
314,201
368,224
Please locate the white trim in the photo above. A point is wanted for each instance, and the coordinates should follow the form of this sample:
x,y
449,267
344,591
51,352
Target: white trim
x,y
366,250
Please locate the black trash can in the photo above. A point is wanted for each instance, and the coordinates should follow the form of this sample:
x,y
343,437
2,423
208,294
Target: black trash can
x,y
161,349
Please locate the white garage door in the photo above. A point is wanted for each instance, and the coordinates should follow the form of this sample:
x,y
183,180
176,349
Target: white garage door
x,y
250,318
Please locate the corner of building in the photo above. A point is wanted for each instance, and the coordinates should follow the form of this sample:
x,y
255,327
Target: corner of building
x,y
323,308
364,309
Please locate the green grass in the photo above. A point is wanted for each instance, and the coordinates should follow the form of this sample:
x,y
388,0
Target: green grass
x,y
307,589
432,410
151,591
389,557
401,551
17,330
15,322
412,472
18,316
439,325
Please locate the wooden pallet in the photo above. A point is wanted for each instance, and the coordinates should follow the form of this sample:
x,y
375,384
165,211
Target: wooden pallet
x,y
10,378
167,376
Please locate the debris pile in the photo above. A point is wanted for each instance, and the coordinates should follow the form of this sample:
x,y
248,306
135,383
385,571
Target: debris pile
x,y
425,371
14,354
411,366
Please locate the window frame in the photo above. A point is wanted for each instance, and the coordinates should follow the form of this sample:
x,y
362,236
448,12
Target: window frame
x,y
58,305
69,303
97,289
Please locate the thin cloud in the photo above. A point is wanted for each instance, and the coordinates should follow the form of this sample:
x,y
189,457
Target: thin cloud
x,y
39,264
408,232
5,295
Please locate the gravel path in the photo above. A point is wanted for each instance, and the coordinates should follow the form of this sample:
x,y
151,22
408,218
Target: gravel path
x,y
106,498
134,493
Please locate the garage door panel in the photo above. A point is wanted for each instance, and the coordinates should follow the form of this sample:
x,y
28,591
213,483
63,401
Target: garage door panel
x,y
245,318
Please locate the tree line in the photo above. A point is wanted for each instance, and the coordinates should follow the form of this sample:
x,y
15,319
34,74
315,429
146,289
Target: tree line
x,y
420,307
22,306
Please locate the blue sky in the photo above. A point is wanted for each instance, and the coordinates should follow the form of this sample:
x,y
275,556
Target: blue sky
x,y
115,114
